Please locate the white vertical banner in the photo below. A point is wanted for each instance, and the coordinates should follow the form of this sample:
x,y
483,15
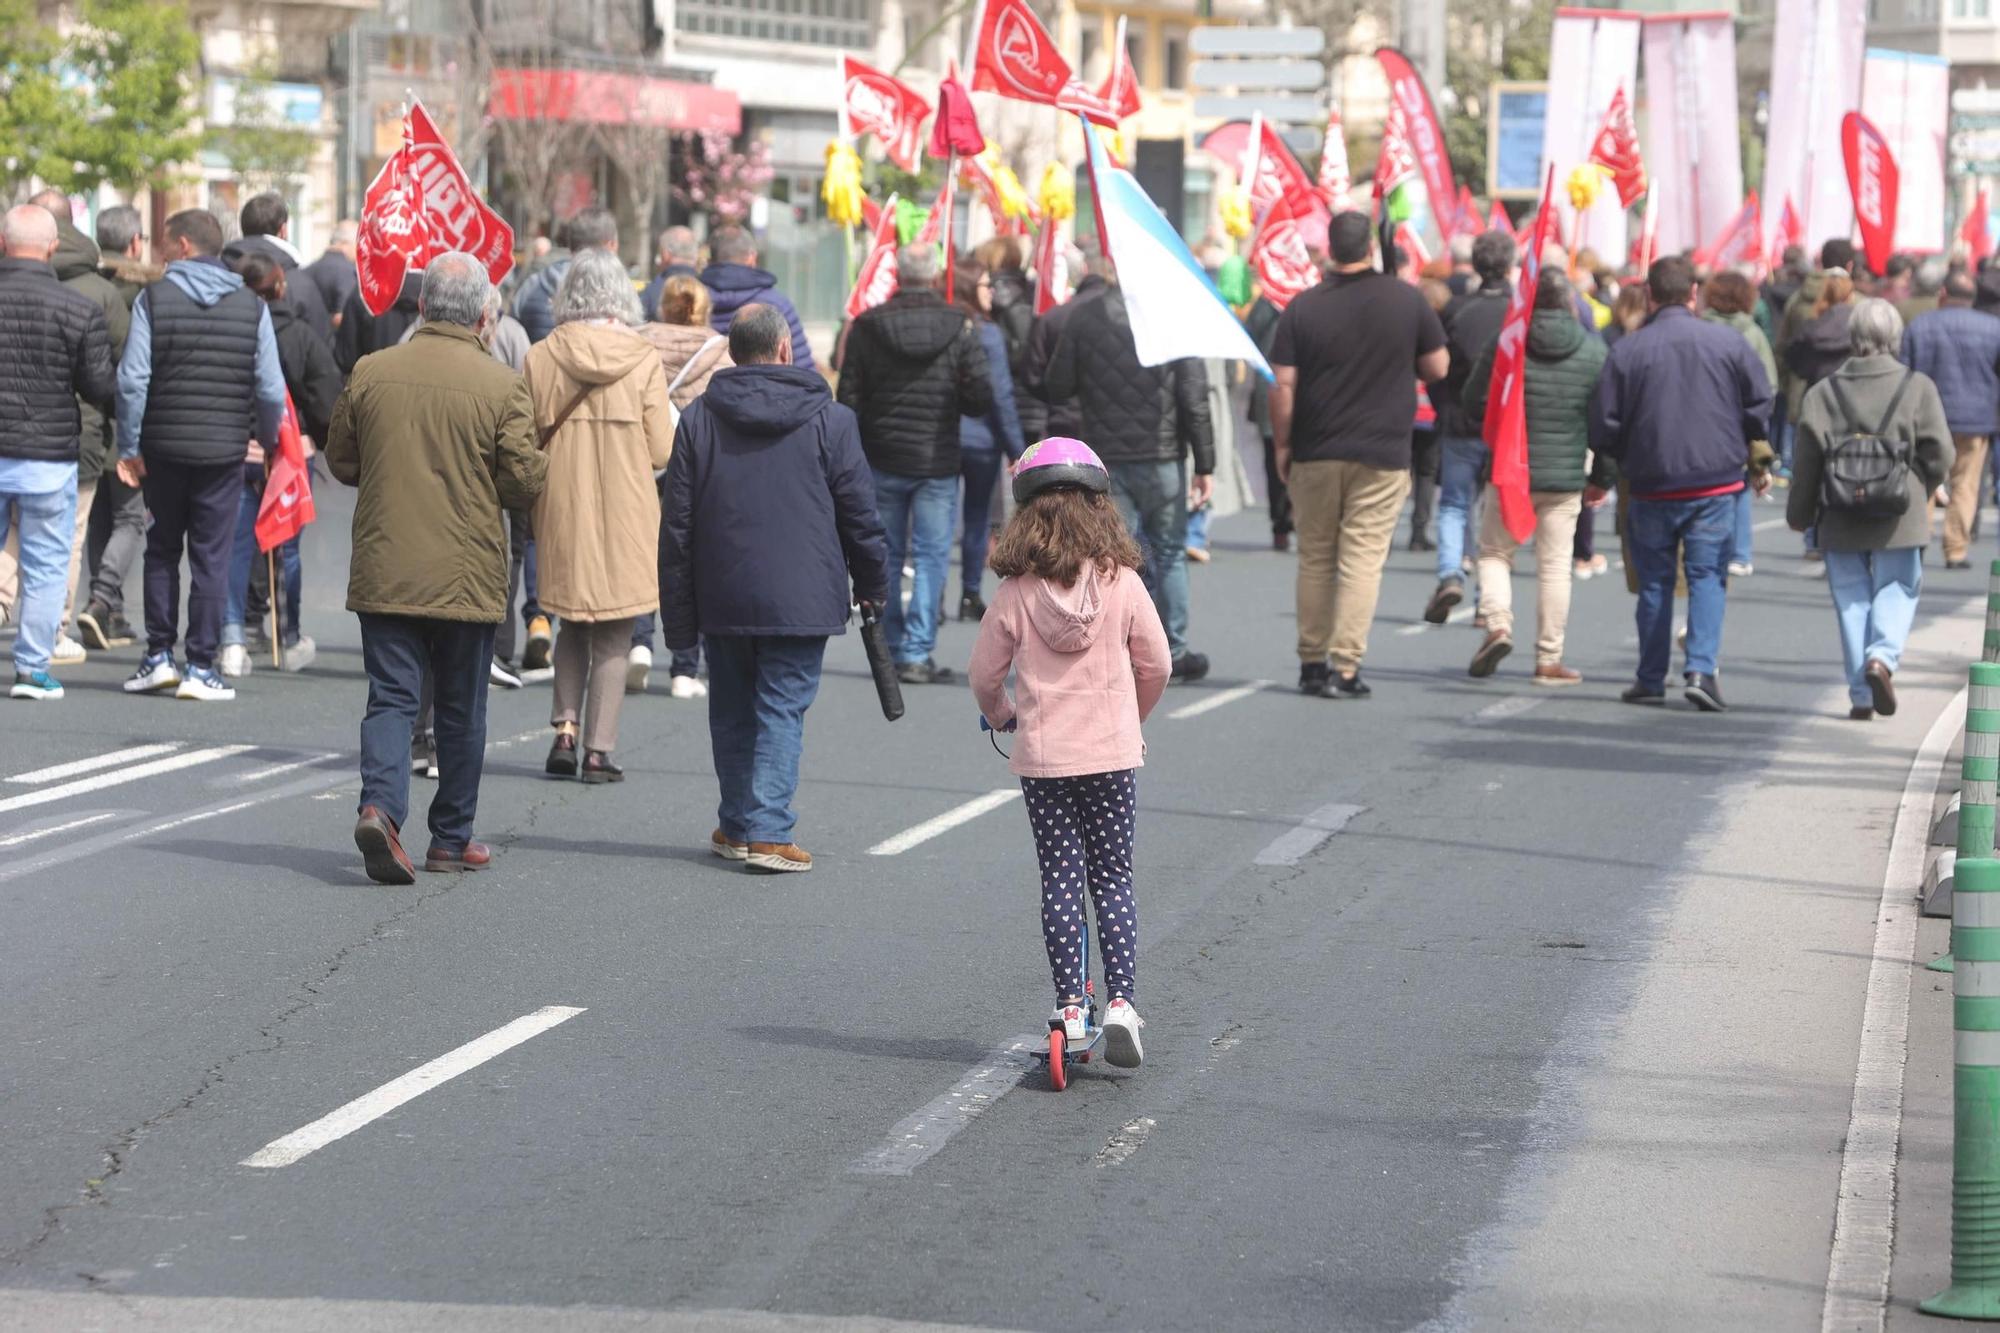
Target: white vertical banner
x,y
1591,53
1908,97
1815,80
1693,156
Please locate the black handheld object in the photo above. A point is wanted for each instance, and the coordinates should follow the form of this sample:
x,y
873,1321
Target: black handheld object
x,y
887,687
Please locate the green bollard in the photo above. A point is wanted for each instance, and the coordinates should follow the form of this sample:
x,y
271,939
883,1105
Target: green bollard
x,y
1975,1160
1980,768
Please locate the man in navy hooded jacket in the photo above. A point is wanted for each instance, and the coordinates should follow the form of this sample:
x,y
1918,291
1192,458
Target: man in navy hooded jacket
x,y
734,282
768,515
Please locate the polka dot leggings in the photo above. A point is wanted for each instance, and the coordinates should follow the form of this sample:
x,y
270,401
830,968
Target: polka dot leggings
x,y
1083,835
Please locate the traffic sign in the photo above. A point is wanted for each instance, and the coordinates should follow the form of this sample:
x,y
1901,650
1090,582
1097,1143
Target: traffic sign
x,y
1245,41
1256,74
1272,106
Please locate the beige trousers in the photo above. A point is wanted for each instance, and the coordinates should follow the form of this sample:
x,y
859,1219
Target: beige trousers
x,y
1345,514
10,557
1968,473
1556,513
590,678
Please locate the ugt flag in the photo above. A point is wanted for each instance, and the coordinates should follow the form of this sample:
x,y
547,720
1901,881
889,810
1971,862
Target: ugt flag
x,y
1176,310
1506,424
288,497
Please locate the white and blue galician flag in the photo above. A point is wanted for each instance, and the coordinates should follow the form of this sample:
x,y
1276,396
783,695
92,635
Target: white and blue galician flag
x,y
1176,310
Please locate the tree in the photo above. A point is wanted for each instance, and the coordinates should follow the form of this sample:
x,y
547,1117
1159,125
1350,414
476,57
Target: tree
x,y
39,118
539,140
1489,41
642,154
137,58
715,179
266,149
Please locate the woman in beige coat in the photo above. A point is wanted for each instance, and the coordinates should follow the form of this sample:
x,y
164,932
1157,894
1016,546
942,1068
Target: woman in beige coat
x,y
602,413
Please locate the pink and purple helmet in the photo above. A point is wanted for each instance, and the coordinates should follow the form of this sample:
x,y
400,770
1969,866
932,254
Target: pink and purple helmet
x,y
1058,462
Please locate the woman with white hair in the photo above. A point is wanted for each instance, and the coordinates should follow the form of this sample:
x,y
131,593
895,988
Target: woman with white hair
x,y
602,413
1872,450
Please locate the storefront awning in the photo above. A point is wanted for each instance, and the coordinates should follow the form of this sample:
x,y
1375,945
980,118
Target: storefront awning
x,y
599,98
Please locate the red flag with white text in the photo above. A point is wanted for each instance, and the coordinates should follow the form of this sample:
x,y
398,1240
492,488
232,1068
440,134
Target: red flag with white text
x,y
1336,179
288,501
1271,173
876,282
1015,56
459,219
1975,233
1616,149
1420,124
886,107
1873,179
1506,426
1279,259
395,233
1052,285
1120,90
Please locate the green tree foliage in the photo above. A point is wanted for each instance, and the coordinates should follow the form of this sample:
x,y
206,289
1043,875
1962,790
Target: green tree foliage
x,y
39,118
1491,41
266,149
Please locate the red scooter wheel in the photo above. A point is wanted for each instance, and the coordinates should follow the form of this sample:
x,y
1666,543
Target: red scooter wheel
x,y
1058,1072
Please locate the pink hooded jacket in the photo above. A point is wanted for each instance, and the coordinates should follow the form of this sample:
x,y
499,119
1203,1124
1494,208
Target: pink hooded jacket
x,y
1089,664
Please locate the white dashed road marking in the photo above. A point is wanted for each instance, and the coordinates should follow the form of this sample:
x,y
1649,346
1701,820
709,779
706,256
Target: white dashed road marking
x,y
918,1136
1215,701
78,767
1125,1142
120,776
1512,706
944,823
1288,847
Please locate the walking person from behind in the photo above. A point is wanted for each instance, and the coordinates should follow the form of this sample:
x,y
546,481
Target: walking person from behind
x,y
987,442
1958,349
768,520
437,436
1074,626
1675,412
54,350
1562,367
1471,322
201,376
116,533
1347,356
601,413
1883,426
734,281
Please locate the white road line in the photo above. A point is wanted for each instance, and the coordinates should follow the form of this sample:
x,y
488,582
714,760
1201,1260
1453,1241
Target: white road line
x,y
373,1106
199,815
1864,1221
16,839
274,770
1221,700
1458,617
918,1137
945,822
1314,829
119,776
1125,1142
78,767
1501,709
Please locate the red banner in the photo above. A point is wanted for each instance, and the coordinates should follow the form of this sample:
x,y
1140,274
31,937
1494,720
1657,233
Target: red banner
x,y
288,501
1976,233
1051,268
1740,241
459,219
887,108
1506,424
1271,173
1497,219
876,282
1395,163
1791,230
1616,149
1426,139
1279,258
395,234
1016,57
1336,180
1119,93
1872,178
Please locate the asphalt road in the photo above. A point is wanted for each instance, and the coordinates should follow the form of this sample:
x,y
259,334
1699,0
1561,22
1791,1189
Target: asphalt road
x,y
1390,1059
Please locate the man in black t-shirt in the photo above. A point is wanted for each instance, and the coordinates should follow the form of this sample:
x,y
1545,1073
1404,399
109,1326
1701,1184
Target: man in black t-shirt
x,y
1348,355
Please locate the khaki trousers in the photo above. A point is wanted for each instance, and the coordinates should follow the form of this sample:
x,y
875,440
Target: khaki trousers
x,y
1345,514
1968,474
590,678
1556,513
10,557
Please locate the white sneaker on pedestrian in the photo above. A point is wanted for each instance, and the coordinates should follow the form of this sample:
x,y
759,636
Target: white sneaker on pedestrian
x,y
503,675
156,672
1074,1020
638,668
204,685
233,661
1121,1035
301,654
1741,569
68,652
688,687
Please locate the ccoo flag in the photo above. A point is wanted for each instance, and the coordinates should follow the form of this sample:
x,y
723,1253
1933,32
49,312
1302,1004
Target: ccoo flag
x,y
1176,310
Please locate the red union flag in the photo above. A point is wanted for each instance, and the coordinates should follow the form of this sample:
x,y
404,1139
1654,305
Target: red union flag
x,y
1395,163
876,282
459,219
1497,219
395,234
1336,179
1873,179
1279,258
1051,268
1119,92
887,108
1616,149
1975,233
1506,424
1740,240
288,500
1271,174
1016,57
1425,140
1791,230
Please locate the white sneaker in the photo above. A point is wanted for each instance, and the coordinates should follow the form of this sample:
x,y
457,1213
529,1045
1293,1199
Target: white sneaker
x,y
1074,1020
233,661
1121,1035
688,687
301,654
638,668
1741,569
68,652
203,685
502,675
156,672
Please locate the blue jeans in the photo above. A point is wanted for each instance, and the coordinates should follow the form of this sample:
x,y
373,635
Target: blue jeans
x,y
918,513
981,469
396,651
1152,499
1875,599
1197,536
684,662
1701,530
1740,525
1460,461
48,526
759,689
244,552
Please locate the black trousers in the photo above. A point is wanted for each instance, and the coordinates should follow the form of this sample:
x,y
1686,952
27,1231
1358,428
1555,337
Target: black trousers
x,y
194,512
1424,454
1274,486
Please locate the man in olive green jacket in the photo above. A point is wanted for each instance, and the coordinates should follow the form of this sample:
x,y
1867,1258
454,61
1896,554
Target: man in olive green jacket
x,y
438,437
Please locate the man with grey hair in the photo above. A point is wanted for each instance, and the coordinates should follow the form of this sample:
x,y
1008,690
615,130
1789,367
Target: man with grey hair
x,y
680,252
116,533
534,304
439,438
734,281
913,367
54,348
333,272
1959,348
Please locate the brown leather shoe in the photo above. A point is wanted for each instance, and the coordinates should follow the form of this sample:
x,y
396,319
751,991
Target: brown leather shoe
x,y
598,768
775,858
727,847
375,835
450,861
561,762
1491,653
1879,686
1556,674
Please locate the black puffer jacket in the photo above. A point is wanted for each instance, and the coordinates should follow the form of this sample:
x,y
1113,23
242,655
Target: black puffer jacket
x,y
1062,416
1131,413
361,333
75,263
914,366
54,349
310,374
